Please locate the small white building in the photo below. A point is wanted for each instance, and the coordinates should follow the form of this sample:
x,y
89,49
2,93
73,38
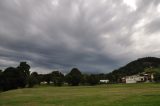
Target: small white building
x,y
44,82
104,81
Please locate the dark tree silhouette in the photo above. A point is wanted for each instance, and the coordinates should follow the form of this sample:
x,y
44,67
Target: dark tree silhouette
x,y
93,79
24,72
10,79
33,79
48,78
84,79
74,77
1,80
58,78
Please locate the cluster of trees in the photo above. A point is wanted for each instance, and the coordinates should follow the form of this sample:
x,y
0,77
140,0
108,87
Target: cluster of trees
x,y
20,77
13,78
73,78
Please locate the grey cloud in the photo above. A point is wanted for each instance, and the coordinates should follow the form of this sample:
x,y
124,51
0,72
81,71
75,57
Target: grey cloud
x,y
153,26
95,36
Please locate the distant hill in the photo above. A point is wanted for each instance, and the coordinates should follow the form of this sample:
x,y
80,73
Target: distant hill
x,y
134,67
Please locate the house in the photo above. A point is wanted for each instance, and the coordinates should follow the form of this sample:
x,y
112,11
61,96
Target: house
x,y
43,82
143,77
104,81
134,79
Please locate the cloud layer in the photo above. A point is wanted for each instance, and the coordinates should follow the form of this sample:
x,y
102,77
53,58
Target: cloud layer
x,y
93,35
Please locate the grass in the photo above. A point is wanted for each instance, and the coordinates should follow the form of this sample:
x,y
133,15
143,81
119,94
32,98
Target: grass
x,y
101,95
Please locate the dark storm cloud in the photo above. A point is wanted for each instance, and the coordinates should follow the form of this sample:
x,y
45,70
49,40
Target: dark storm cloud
x,y
96,36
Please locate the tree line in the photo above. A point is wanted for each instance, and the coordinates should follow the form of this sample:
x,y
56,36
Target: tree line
x,y
21,77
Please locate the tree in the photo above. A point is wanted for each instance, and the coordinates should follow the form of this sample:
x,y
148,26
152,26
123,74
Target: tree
x,y
155,72
93,79
10,79
24,74
1,79
74,77
33,79
58,78
48,78
40,78
157,77
84,79
24,67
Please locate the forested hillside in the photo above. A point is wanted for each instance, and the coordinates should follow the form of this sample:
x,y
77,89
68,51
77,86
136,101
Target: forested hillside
x,y
134,67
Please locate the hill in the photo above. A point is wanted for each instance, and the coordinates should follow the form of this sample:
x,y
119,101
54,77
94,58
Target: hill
x,y
134,67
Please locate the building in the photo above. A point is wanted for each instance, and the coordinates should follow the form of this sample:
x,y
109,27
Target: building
x,y
134,79
138,78
104,81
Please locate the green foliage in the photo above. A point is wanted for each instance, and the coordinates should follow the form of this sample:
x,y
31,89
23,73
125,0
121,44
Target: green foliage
x,y
155,72
24,67
84,79
47,78
12,78
58,78
93,79
24,73
33,79
1,80
157,77
74,77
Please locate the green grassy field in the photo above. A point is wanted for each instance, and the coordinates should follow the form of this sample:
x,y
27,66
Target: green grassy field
x,y
102,95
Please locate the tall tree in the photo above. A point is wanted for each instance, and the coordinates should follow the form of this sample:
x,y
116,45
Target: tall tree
x,y
93,79
58,78
1,79
10,78
48,78
24,72
33,79
84,79
74,77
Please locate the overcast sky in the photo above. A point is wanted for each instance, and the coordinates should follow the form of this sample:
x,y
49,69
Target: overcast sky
x,y
92,35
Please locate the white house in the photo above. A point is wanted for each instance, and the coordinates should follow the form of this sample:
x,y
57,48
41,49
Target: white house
x,y
142,77
134,79
44,82
104,81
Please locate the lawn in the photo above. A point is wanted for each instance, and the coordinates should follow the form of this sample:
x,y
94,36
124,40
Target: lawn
x,y
101,95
